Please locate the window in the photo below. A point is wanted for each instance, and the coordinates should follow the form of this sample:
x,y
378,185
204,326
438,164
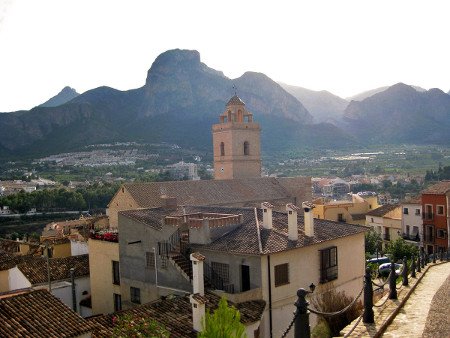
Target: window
x,y
117,302
440,233
281,274
440,210
116,272
222,270
417,212
341,218
328,264
149,260
428,212
135,295
405,211
371,219
246,148
407,230
222,149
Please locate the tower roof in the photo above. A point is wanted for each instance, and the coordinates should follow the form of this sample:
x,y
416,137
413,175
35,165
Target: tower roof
x,y
235,100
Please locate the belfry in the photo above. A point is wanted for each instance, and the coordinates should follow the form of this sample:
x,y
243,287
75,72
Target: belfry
x,y
236,142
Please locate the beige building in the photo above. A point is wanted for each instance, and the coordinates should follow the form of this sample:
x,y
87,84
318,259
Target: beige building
x,y
350,211
387,221
105,275
236,143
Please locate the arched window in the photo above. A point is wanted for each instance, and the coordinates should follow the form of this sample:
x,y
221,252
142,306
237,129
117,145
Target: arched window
x,y
246,148
222,149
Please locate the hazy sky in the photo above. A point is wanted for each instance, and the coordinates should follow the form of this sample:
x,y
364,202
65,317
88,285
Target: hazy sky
x,y
341,46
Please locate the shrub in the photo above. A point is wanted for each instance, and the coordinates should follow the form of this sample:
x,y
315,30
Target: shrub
x,y
331,301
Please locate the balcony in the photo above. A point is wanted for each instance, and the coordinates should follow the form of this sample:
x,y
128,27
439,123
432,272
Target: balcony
x,y
387,237
427,215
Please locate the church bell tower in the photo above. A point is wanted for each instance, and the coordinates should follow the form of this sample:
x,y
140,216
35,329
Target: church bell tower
x,y
236,142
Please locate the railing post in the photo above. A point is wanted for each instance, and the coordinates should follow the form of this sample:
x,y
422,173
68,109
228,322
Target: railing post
x,y
368,316
302,328
419,263
413,267
392,284
405,272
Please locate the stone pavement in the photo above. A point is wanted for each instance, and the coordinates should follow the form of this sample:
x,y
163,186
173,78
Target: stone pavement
x,y
406,316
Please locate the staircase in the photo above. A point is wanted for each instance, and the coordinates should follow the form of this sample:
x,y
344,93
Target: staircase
x,y
182,264
176,250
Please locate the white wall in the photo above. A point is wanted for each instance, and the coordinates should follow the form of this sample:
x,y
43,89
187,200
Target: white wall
x,y
78,248
17,280
63,291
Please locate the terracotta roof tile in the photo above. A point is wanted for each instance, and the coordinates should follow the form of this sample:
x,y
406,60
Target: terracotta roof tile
x,y
235,100
244,238
293,207
211,192
39,314
198,256
383,210
35,268
267,205
176,315
440,188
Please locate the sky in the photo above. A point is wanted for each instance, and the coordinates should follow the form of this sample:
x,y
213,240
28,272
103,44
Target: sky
x,y
345,47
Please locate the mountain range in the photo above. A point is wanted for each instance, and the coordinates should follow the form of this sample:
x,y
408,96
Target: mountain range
x,y
182,97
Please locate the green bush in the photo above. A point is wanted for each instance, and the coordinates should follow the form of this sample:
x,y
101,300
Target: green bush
x,y
321,330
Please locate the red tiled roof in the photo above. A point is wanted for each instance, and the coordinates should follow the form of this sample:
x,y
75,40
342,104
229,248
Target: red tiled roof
x,y
440,188
211,192
39,314
176,314
235,100
383,210
244,238
35,268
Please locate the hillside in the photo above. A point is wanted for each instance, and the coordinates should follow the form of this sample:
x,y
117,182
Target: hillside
x,y
323,105
179,102
401,114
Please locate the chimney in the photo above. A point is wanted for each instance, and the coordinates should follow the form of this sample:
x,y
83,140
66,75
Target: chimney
x,y
309,219
197,299
168,203
267,215
292,221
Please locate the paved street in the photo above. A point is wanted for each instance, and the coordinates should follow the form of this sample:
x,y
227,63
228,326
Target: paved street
x,y
429,300
424,314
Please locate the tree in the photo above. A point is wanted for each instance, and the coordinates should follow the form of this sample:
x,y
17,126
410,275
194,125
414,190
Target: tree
x,y
224,323
399,249
373,241
130,326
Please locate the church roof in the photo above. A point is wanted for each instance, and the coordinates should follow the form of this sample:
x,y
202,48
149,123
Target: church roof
x,y
235,100
208,192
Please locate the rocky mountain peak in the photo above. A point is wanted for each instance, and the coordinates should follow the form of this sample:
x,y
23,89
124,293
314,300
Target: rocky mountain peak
x,y
172,60
65,95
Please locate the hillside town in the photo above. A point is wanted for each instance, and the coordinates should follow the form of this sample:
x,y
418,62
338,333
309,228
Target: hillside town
x,y
169,251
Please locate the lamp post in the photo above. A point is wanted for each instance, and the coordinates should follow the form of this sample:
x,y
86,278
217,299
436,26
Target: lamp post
x,y
46,247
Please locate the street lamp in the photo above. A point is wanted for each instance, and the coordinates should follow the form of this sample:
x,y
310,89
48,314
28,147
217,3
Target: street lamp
x,y
47,248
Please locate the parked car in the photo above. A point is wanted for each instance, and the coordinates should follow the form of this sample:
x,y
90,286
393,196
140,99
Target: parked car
x,y
378,260
385,268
